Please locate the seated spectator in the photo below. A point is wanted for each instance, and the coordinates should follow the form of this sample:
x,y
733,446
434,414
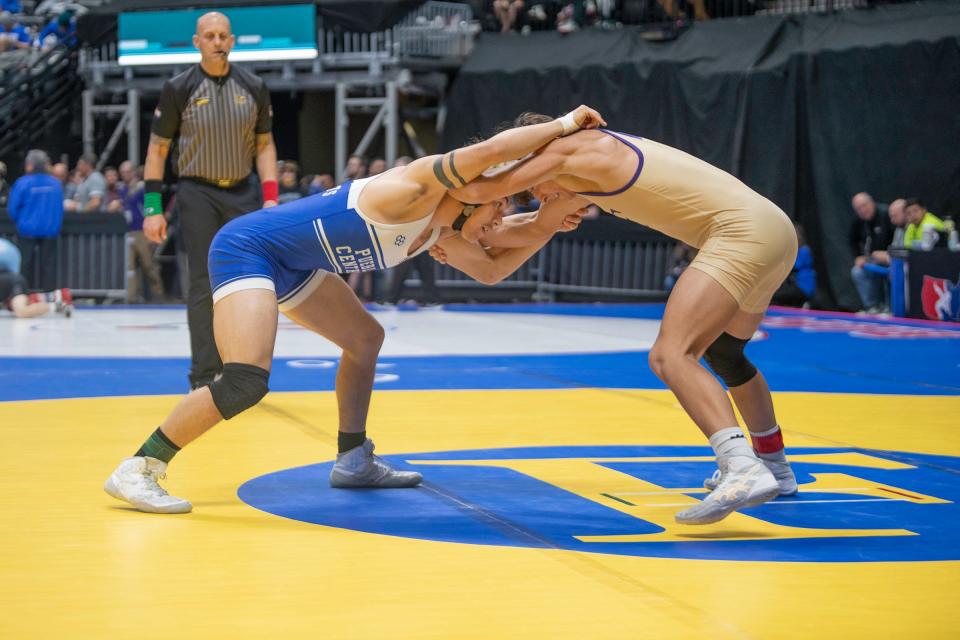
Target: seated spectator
x,y
92,189
870,231
800,286
62,173
63,30
321,183
13,6
356,168
289,182
36,207
898,218
13,35
112,194
507,12
377,166
919,220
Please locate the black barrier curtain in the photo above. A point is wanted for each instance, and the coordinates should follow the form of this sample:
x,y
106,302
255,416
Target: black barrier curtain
x,y
807,110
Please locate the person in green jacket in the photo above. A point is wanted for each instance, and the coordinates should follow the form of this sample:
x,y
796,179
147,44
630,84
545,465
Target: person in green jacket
x,y
917,218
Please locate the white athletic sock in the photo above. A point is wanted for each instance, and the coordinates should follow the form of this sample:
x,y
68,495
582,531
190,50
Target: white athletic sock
x,y
731,442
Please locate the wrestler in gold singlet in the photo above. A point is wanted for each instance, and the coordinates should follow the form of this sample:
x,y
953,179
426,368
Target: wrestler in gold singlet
x,y
747,244
747,248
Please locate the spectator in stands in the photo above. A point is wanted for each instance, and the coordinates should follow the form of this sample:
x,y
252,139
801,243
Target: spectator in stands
x,y
377,166
90,193
112,194
356,168
140,250
61,172
4,185
871,231
507,13
289,182
898,218
321,183
13,35
800,286
36,207
919,220
13,6
63,30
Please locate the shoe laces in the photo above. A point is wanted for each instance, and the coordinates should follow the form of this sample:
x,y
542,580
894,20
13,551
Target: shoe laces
x,y
151,484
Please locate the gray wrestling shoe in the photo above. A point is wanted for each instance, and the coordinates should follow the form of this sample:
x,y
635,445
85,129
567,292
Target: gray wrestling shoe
x,y
135,482
358,468
781,470
744,482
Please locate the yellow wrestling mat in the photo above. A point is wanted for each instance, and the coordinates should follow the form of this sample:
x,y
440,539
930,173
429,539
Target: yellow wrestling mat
x,y
77,564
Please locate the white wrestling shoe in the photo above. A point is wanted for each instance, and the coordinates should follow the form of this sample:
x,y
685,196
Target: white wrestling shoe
x,y
135,481
358,468
745,482
781,470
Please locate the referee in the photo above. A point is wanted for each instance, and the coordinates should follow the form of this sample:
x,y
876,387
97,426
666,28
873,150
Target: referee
x,y
223,118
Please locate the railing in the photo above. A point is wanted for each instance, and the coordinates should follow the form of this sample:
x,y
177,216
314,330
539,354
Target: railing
x,y
436,32
592,264
608,261
542,16
91,255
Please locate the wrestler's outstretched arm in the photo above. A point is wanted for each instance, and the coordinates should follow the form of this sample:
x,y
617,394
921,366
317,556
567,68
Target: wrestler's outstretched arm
x,y
492,265
424,181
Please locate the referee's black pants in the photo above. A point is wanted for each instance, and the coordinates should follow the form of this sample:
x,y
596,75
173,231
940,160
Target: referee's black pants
x,y
203,210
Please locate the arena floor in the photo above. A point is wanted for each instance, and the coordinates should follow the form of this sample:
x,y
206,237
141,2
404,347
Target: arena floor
x,y
553,461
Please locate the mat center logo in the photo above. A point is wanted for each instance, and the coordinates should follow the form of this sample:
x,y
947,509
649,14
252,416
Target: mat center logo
x,y
853,505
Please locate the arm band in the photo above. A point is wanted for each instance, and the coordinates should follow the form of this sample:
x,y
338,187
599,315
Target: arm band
x,y
271,190
569,124
152,200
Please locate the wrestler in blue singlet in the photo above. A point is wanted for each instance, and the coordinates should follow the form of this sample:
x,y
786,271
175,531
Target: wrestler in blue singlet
x,y
290,248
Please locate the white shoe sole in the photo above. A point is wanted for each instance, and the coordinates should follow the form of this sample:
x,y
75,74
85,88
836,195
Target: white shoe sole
x,y
111,488
787,489
765,490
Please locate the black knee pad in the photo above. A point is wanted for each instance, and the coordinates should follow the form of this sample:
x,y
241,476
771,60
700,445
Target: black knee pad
x,y
725,357
238,388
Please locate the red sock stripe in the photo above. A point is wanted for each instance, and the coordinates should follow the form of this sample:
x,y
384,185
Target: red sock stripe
x,y
768,444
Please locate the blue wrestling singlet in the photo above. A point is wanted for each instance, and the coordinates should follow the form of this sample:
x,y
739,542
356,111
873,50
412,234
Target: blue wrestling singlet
x,y
289,248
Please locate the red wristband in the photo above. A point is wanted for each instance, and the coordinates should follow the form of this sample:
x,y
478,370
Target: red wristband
x,y
271,190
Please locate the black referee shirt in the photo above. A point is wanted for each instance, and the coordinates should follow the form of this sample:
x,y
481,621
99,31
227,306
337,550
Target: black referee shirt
x,y
217,119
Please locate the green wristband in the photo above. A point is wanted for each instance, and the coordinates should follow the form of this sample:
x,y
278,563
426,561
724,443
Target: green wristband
x,y
152,204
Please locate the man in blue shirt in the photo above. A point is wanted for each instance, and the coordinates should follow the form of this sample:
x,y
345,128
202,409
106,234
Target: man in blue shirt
x,y
63,30
36,207
13,35
13,6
